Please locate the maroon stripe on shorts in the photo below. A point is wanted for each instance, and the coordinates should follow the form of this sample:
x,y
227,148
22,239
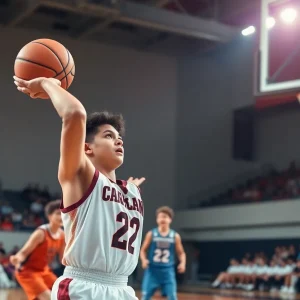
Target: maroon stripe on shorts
x,y
63,289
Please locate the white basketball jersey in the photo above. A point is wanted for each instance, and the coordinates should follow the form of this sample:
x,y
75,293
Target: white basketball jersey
x,y
103,230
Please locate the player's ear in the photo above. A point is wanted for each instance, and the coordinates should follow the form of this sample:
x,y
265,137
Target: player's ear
x,y
87,149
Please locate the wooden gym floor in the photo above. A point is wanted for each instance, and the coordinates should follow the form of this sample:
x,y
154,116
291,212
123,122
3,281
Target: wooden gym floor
x,y
202,294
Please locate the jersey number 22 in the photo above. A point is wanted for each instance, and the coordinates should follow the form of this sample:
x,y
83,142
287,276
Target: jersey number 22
x,y
122,217
161,256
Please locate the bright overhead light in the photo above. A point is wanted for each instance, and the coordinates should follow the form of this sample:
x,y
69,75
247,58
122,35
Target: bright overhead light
x,y
288,15
249,30
270,22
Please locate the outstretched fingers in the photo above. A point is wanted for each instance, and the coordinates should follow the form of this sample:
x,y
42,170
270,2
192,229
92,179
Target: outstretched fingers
x,y
20,82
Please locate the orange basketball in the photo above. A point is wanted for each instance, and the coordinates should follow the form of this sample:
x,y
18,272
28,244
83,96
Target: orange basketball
x,y
45,58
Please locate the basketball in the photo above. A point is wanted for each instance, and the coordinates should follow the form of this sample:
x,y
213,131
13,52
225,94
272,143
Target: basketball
x,y
45,58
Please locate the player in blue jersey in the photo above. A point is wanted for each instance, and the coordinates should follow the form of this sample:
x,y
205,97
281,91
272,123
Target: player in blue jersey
x,y
158,255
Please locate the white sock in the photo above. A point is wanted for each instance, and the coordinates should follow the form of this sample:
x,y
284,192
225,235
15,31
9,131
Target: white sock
x,y
216,283
293,280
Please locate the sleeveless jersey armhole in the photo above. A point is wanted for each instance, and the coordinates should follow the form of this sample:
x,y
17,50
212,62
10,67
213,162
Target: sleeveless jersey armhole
x,y
84,197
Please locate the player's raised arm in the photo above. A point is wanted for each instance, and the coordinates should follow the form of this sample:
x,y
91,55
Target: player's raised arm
x,y
72,157
34,240
73,115
144,248
180,253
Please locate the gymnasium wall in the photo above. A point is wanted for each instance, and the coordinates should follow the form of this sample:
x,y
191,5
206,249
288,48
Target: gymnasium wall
x,y
142,86
211,86
274,219
278,140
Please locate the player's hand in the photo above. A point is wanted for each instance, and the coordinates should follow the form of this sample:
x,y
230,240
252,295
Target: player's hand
x,y
145,263
15,260
33,88
181,268
136,181
298,97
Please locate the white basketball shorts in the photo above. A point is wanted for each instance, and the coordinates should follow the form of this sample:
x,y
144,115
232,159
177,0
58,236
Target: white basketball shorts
x,y
79,284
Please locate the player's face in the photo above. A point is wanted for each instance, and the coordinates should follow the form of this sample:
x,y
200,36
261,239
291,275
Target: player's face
x,y
163,219
107,148
55,218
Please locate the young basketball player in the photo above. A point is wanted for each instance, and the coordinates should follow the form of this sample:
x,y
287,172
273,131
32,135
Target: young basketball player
x,y
163,244
102,216
32,261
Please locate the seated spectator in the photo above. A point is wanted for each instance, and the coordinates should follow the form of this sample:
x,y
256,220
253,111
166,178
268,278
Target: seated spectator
x,y
269,190
278,279
280,181
292,253
250,271
36,207
292,281
262,273
237,194
292,189
227,278
7,224
243,278
29,222
38,220
292,169
6,209
284,253
17,219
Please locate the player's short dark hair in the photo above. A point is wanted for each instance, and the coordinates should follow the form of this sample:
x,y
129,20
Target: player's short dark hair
x,y
96,119
51,207
166,210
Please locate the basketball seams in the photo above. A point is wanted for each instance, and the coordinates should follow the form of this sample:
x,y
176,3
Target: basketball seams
x,y
36,63
63,71
68,74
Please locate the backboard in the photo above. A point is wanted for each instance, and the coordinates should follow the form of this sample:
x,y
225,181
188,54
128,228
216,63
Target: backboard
x,y
277,78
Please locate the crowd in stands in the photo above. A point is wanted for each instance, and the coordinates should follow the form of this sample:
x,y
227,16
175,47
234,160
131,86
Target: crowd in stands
x,y
26,210
275,185
281,272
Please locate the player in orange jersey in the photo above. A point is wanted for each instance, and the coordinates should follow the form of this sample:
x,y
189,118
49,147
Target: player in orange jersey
x,y
32,261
